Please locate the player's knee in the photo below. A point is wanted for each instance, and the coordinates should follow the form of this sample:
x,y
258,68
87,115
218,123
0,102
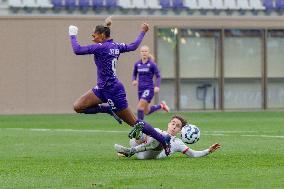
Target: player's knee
x,y
146,111
132,142
140,107
154,144
77,108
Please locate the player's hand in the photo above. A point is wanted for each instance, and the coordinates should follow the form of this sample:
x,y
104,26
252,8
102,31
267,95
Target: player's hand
x,y
156,89
145,27
73,30
134,82
214,147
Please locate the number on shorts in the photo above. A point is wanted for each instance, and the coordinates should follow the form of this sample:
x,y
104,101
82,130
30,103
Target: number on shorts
x,y
111,104
145,93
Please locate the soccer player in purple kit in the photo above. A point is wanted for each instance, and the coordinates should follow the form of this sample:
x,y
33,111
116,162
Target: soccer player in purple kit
x,y
109,89
146,69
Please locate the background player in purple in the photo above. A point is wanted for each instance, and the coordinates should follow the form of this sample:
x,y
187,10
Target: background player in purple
x,y
146,69
109,89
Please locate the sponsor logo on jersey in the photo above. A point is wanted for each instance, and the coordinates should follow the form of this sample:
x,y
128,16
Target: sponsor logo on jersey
x,y
143,70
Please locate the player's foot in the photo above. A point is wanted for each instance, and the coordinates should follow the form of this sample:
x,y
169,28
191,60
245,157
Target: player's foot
x,y
136,132
167,145
112,113
120,155
164,106
127,152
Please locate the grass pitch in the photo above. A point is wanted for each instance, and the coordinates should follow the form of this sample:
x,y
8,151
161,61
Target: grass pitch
x,y
76,151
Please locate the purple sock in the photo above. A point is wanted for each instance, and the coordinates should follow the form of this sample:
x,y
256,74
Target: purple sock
x,y
140,114
97,109
154,108
149,130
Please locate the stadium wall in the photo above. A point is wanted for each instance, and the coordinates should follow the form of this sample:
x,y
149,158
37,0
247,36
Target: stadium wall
x,y
39,74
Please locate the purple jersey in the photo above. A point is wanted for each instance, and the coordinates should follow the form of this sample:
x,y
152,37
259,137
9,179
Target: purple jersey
x,y
146,72
105,57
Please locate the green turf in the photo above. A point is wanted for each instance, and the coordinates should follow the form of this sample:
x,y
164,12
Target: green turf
x,y
65,154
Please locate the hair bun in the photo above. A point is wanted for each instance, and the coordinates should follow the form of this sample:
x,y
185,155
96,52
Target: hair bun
x,y
108,22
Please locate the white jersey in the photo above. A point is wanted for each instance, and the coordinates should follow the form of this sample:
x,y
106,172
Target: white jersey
x,y
176,146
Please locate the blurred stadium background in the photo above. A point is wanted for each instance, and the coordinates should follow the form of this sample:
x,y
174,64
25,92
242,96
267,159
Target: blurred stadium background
x,y
213,54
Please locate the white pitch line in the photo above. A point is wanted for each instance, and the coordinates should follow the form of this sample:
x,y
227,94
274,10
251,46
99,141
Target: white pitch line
x,y
64,130
230,131
39,129
113,131
94,131
267,136
214,133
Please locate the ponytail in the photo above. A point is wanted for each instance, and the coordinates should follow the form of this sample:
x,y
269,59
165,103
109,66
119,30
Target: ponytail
x,y
105,28
108,22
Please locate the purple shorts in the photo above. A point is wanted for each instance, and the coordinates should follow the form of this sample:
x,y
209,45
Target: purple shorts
x,y
114,95
146,94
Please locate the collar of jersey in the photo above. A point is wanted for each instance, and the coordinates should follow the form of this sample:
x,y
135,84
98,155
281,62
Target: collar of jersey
x,y
109,40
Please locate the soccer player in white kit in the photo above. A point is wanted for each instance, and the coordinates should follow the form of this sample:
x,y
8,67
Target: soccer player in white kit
x,y
147,147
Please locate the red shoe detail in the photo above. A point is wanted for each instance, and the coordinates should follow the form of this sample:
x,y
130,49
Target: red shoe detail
x,y
164,106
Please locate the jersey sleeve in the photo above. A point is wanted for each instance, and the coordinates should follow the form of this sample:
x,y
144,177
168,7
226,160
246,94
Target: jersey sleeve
x,y
157,74
82,50
135,72
132,46
176,146
181,146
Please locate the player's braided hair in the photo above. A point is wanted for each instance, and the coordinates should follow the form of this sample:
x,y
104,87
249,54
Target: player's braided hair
x,y
182,120
105,28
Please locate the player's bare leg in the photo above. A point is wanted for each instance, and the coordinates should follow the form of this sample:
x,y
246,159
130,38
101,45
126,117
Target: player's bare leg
x,y
142,108
127,116
86,100
89,103
143,105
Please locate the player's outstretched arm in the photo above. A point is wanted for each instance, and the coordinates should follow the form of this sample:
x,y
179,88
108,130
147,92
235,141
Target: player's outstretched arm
x,y
214,147
192,153
77,48
134,45
145,27
73,30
